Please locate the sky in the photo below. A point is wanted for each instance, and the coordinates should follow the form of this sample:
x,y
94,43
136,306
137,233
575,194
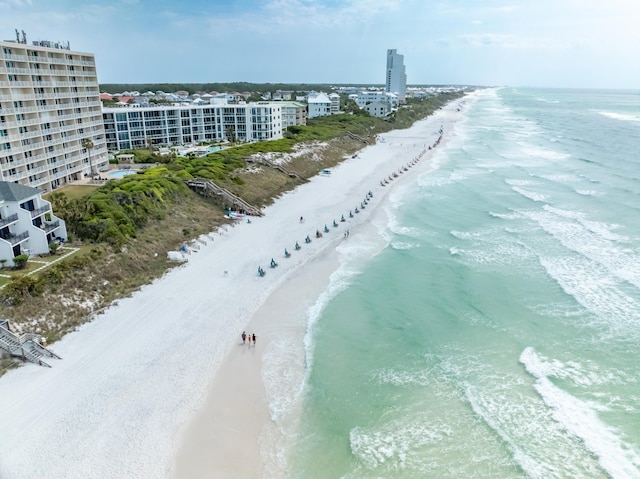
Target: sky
x,y
537,43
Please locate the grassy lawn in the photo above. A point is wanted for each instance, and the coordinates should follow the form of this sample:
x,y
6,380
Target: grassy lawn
x,y
39,261
73,191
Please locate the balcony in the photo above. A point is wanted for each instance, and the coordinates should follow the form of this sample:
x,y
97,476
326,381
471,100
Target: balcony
x,y
49,226
15,239
8,220
40,211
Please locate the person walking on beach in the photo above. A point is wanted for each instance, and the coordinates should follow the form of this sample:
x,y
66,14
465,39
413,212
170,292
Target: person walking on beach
x,y
254,340
244,337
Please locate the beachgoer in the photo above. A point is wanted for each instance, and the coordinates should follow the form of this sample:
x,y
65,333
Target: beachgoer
x,y
254,339
244,337
301,219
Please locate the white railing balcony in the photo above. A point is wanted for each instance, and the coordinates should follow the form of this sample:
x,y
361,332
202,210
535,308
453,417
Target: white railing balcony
x,y
29,121
40,211
20,71
40,169
13,56
8,220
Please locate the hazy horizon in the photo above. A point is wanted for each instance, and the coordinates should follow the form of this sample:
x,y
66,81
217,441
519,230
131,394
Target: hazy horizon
x,y
571,44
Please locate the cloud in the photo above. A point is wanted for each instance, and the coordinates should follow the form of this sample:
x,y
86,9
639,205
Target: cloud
x,y
15,3
513,42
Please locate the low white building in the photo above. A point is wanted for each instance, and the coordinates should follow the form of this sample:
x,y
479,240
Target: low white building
x,y
319,105
368,96
378,108
27,222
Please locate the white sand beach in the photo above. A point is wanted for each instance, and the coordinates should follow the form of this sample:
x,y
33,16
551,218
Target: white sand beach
x,y
160,385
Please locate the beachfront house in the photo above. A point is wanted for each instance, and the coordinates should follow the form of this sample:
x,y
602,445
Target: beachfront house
x,y
319,105
378,108
368,96
27,222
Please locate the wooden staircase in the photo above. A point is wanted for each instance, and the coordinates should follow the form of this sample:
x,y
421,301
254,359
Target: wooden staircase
x,y
27,347
356,137
209,188
280,168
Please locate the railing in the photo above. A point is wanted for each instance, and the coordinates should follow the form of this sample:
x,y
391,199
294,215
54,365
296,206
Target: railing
x,y
8,220
27,346
15,239
209,188
49,227
40,211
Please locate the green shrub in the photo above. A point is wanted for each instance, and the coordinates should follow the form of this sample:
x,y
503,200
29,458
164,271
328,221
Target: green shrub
x,y
20,261
22,287
53,247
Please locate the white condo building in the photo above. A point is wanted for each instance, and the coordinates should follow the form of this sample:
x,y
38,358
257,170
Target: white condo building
x,y
135,127
49,104
27,222
396,79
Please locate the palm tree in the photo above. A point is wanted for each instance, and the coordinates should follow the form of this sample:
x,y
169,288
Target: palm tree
x,y
87,144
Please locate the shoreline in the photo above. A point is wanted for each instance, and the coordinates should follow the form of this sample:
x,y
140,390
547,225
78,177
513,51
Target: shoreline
x,y
234,433
135,378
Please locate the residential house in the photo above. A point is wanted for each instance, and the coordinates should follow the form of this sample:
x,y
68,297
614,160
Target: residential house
x,y
319,105
378,108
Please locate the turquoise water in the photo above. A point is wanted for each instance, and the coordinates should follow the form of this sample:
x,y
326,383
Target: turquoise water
x,y
120,173
497,334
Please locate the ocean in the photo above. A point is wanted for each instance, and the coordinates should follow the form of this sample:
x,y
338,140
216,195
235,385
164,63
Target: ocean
x,y
496,332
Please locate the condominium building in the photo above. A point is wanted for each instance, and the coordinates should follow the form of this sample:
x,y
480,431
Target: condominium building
x,y
49,109
396,78
27,223
135,127
293,113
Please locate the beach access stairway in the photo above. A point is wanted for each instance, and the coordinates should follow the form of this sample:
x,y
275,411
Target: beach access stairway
x,y
280,168
356,137
26,347
209,188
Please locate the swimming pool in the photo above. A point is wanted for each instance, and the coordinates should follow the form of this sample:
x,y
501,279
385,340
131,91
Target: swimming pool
x,y
213,149
120,173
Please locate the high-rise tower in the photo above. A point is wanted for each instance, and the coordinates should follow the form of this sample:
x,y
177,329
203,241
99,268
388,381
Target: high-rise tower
x,y
51,128
396,79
